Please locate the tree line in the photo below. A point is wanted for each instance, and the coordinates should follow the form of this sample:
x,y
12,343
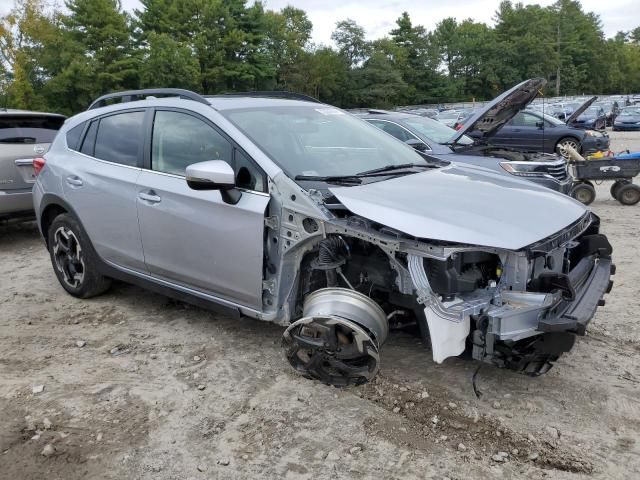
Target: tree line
x,y
60,60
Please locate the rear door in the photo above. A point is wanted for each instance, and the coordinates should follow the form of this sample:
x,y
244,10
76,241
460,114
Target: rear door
x,y
193,238
22,138
99,176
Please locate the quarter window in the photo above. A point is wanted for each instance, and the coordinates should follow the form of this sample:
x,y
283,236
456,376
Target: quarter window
x,y
119,138
73,136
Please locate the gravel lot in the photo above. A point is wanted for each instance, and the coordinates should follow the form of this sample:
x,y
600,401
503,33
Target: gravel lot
x,y
139,386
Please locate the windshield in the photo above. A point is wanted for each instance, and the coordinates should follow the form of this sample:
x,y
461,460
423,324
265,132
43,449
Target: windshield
x,y
434,130
448,115
320,140
591,112
630,111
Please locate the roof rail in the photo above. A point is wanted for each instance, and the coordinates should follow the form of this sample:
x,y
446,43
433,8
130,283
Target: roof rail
x,y
133,95
268,94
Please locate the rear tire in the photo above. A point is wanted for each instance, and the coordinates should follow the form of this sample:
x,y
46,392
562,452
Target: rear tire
x,y
74,261
629,194
584,193
616,187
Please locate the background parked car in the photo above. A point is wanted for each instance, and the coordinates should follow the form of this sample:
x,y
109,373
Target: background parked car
x,y
534,131
23,136
450,117
434,138
628,119
611,110
593,118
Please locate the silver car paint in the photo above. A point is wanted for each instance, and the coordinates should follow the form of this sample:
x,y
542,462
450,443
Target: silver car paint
x,y
464,205
103,196
195,239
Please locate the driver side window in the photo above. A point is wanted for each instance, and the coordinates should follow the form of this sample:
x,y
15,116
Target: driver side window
x,y
180,140
523,119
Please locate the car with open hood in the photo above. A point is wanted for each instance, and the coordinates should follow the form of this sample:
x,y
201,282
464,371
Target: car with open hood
x,y
588,116
437,140
628,119
506,122
287,210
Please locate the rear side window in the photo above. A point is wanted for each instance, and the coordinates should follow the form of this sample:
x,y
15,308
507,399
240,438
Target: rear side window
x,y
119,138
29,128
73,136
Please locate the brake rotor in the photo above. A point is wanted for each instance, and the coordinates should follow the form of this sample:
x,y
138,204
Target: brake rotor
x,y
331,349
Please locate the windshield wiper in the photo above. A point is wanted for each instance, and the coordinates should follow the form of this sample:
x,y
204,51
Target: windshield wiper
x,y
345,179
356,179
391,168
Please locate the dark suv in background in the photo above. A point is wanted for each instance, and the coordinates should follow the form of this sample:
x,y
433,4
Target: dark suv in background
x,y
24,136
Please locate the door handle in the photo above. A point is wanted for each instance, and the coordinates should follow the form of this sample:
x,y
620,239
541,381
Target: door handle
x,y
149,196
74,181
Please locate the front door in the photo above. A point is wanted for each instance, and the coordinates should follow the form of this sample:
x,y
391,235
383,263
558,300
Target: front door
x,y
193,238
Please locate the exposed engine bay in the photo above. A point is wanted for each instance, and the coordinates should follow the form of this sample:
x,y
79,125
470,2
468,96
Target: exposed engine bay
x,y
340,284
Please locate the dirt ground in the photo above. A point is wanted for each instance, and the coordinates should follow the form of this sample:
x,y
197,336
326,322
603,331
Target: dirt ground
x,y
137,386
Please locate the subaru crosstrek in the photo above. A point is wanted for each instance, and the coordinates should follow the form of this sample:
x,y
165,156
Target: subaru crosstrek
x,y
291,211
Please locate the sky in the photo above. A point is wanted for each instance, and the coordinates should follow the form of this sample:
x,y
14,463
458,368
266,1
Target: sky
x,y
378,16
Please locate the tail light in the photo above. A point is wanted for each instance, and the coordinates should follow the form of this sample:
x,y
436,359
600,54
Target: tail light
x,y
38,164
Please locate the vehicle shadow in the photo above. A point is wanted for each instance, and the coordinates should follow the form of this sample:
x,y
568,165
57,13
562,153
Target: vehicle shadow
x,y
14,232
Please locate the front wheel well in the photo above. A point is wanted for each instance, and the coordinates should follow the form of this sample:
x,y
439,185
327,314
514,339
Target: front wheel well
x,y
48,216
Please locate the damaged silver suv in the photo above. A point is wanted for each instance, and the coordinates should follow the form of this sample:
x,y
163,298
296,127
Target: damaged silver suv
x,y
291,211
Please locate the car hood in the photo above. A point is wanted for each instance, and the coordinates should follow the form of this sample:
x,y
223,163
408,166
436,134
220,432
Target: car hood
x,y
578,111
469,205
495,114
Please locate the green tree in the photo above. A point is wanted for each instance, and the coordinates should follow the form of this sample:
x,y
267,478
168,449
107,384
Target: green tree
x,y
350,40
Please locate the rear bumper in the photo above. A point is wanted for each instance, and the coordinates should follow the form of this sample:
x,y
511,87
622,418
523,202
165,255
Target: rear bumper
x,y
18,203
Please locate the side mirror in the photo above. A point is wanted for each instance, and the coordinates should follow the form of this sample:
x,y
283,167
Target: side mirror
x,y
214,175
540,124
416,144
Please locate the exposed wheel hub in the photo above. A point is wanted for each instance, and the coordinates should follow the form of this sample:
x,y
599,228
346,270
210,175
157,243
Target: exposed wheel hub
x,y
332,348
68,258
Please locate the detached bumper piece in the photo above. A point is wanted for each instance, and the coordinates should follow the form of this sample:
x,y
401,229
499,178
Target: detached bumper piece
x,y
589,295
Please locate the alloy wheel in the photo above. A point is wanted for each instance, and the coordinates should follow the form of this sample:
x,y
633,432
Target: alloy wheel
x,y
67,253
567,143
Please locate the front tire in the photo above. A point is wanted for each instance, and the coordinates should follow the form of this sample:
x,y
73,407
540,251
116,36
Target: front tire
x,y
74,261
584,193
567,141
